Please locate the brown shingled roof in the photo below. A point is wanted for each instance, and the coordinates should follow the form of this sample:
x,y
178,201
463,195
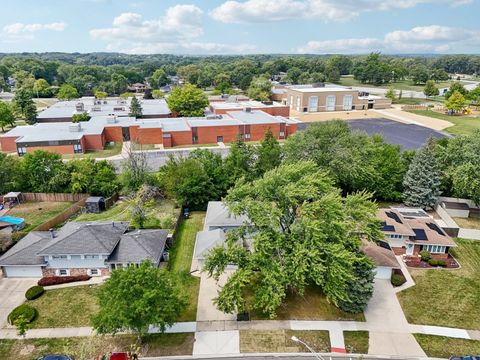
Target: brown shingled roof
x,y
380,255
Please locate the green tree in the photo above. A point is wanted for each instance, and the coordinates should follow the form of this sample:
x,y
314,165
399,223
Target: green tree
x,y
423,178
67,92
43,171
7,117
268,154
100,94
223,83
158,94
190,73
25,106
431,89
118,83
293,74
260,89
360,288
9,173
135,108
41,88
303,233
158,79
419,74
456,86
76,118
239,161
134,298
187,101
391,94
456,102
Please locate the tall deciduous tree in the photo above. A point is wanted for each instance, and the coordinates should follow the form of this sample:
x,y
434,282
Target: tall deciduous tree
x,y
7,117
423,179
135,108
269,154
431,89
67,92
134,298
456,102
260,89
301,232
239,161
187,101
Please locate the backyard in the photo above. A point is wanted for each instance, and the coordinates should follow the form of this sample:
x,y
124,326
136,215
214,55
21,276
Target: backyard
x,y
447,297
444,347
280,341
87,348
37,213
464,125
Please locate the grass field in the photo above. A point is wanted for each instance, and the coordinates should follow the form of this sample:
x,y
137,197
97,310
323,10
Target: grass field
x,y
356,342
399,85
279,341
464,125
444,347
447,297
36,213
68,307
181,260
468,223
162,214
312,306
110,150
88,348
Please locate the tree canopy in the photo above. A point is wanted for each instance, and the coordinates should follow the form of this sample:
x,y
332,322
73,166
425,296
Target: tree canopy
x,y
67,92
188,101
7,116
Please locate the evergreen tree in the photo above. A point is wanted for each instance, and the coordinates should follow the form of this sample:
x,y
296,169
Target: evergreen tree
x,y
135,108
269,154
423,178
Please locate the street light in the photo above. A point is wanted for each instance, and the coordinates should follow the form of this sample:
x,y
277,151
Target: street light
x,y
297,340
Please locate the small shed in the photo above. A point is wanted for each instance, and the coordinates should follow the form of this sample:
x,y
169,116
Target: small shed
x,y
13,198
95,204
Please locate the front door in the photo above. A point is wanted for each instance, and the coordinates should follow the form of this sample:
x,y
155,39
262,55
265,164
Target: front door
x,y
409,250
126,133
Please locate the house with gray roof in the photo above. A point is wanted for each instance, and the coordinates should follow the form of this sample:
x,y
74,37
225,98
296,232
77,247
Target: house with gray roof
x,y
83,248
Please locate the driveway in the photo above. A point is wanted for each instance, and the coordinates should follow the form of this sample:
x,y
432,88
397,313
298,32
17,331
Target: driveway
x,y
206,309
389,329
12,294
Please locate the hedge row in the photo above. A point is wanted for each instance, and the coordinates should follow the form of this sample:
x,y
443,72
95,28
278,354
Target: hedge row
x,y
56,280
34,292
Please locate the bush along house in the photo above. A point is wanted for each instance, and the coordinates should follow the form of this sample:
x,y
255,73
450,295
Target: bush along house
x,y
81,248
409,231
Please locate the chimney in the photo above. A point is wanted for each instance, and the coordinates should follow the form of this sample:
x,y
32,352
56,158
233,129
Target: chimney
x,y
52,233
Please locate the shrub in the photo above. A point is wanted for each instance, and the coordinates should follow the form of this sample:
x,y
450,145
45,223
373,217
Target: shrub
x,y
397,279
34,292
434,262
28,312
425,255
56,280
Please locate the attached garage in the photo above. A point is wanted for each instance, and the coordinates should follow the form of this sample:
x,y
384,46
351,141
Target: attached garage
x,y
383,272
384,259
22,271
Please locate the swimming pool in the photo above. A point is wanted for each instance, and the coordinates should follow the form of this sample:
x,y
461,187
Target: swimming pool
x,y
12,220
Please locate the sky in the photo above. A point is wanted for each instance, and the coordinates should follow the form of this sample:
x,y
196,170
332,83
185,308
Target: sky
x,y
241,26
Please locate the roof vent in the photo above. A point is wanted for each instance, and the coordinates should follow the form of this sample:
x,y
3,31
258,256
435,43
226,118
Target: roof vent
x,y
248,109
75,127
80,107
112,119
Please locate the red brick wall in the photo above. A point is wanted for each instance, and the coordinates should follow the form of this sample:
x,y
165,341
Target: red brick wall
x,y
149,136
60,149
181,138
208,134
8,144
291,129
93,142
113,133
257,132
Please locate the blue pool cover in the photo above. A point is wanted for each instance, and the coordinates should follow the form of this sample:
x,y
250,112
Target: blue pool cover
x,y
12,220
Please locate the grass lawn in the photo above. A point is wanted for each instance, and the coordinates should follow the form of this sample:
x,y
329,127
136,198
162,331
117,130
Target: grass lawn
x,y
110,150
181,260
279,341
444,347
468,223
67,307
163,214
399,85
312,306
37,213
356,342
464,125
89,347
194,146
447,297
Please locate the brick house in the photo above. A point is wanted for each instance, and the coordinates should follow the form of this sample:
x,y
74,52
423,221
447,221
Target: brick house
x,y
81,248
408,231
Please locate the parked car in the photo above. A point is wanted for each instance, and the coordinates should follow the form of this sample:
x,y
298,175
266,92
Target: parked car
x,y
468,357
55,357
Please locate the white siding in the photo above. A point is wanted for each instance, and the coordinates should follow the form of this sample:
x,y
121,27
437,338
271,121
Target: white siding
x,y
72,263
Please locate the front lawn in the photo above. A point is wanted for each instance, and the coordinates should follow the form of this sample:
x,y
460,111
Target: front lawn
x,y
313,305
89,347
181,260
36,213
280,341
162,214
445,347
464,125
447,297
356,342
108,151
67,307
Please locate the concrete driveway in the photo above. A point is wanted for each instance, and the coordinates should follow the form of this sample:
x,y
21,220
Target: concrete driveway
x,y
206,309
12,294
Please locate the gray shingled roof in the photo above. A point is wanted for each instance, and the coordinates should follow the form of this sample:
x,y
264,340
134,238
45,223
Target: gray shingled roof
x,y
25,251
85,238
140,245
218,215
206,241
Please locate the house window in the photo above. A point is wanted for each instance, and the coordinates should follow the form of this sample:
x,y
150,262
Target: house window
x,y
247,136
435,249
297,105
347,102
21,151
313,104
91,257
63,272
94,272
395,236
59,257
219,139
77,148
282,134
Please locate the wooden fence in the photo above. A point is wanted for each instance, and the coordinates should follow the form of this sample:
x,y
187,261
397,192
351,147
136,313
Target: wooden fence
x,y
63,216
54,197
109,202
423,107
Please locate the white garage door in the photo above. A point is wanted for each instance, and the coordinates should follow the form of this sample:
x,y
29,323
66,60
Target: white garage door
x,y
383,272
23,271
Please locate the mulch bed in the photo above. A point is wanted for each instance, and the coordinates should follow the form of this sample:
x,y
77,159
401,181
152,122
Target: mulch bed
x,y
414,262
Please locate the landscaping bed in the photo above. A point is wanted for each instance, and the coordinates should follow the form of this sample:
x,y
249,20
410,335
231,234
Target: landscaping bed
x,y
447,298
415,262
445,347
89,347
279,341
356,342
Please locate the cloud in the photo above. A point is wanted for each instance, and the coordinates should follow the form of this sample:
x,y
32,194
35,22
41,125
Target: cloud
x,y
175,32
20,28
254,11
433,38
